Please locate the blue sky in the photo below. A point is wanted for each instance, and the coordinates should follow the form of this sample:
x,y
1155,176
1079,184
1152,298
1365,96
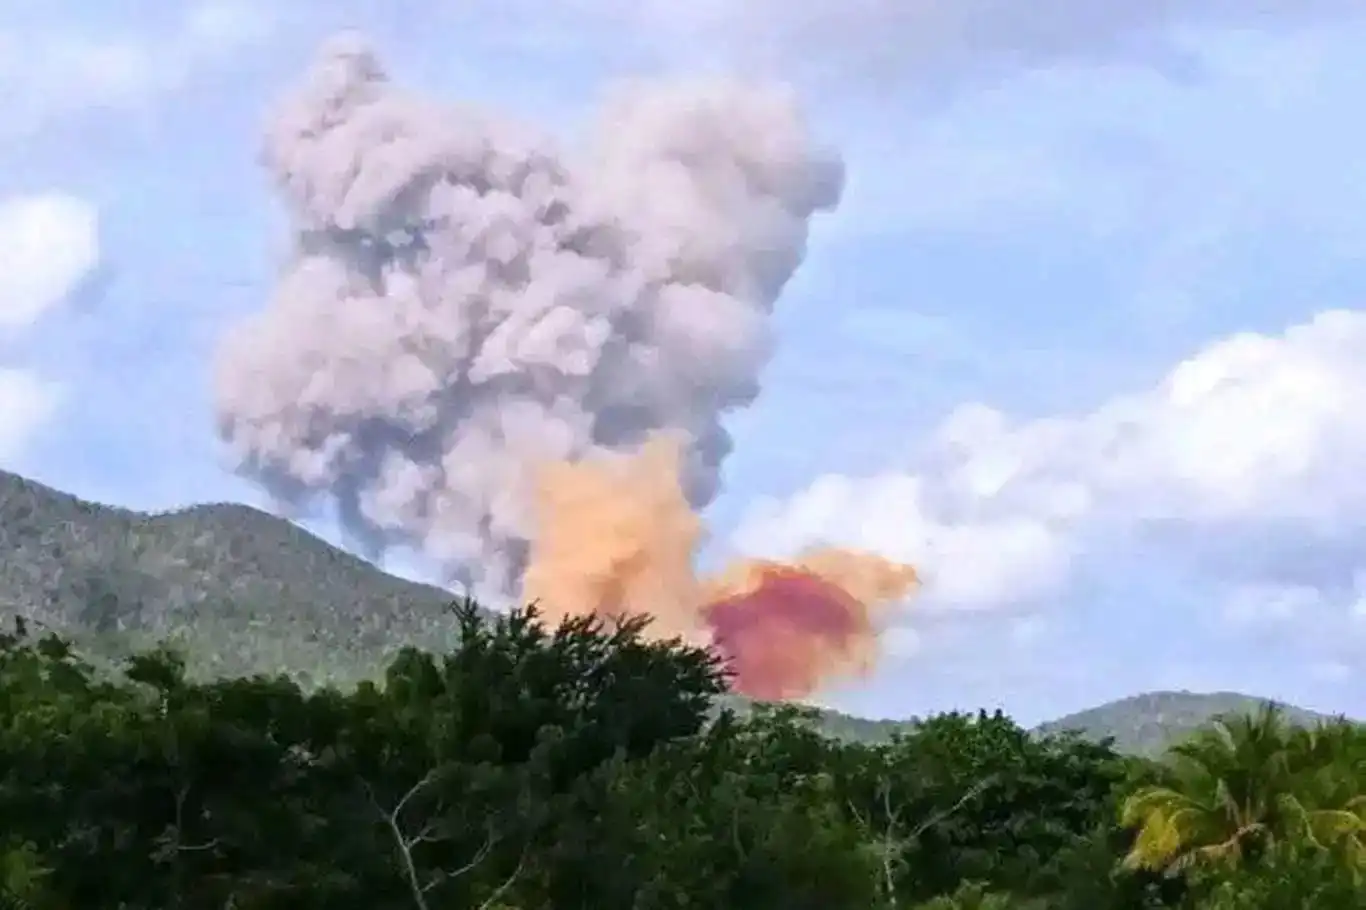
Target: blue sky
x,y
1019,336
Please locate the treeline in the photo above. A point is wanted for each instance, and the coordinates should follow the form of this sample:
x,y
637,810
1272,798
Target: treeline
x,y
583,767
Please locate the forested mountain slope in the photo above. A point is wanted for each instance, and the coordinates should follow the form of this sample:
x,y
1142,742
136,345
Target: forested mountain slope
x,y
241,590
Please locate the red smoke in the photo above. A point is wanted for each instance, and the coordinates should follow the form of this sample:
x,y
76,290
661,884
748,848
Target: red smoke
x,y
781,637
617,536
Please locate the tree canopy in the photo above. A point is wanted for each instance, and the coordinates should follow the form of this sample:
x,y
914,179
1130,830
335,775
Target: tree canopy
x,y
585,766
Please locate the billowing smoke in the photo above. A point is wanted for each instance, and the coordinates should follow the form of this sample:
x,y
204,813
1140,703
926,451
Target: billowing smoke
x,y
786,628
462,301
615,535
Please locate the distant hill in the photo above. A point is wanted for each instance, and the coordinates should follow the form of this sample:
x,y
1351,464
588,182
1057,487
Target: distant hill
x,y
836,723
239,590
1139,725
1146,724
243,591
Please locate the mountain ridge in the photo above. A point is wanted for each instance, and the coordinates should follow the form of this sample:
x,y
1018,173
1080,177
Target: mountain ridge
x,y
240,591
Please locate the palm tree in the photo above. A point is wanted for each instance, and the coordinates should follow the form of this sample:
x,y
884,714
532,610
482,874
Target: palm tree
x,y
1229,795
1247,784
1333,778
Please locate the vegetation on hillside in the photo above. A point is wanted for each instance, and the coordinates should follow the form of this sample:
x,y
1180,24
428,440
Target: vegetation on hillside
x,y
238,591
1150,723
528,768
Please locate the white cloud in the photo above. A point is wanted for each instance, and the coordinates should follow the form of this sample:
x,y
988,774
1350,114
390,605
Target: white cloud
x,y
53,65
1243,466
886,41
1331,671
1028,630
952,175
896,515
1260,605
49,244
902,642
26,403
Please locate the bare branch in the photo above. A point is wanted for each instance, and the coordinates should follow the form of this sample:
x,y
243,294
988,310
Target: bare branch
x,y
479,857
417,788
506,884
427,835
405,844
973,792
888,840
190,848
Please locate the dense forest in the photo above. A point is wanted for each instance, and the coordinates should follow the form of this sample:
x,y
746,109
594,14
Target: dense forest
x,y
585,766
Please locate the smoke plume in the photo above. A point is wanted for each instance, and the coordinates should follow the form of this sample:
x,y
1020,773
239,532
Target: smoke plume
x,y
462,302
616,536
613,534
786,628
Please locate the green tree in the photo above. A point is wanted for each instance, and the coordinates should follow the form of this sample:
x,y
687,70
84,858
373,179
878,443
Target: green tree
x,y
1239,788
977,798
581,767
1289,876
445,785
1330,760
698,826
977,896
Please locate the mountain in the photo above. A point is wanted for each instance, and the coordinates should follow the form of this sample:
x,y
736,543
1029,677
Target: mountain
x,y
242,591
1143,724
1146,724
237,589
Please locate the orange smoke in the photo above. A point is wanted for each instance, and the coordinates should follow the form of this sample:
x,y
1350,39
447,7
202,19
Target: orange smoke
x,y
616,536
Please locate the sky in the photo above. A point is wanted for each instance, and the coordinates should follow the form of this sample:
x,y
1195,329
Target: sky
x,y
1083,341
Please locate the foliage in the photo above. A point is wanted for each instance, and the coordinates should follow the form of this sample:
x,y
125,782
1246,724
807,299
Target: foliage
x,y
156,791
1247,786
236,590
1289,876
239,592
1150,723
585,767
